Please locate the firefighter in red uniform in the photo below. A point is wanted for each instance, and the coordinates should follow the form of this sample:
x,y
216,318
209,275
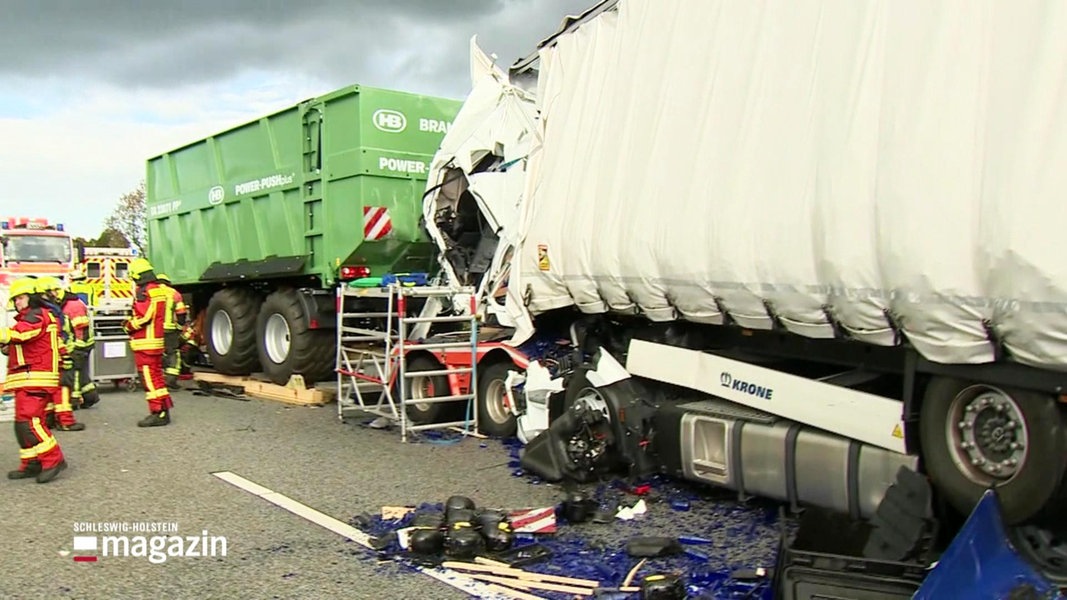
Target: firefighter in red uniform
x,y
51,289
32,347
80,345
173,327
146,340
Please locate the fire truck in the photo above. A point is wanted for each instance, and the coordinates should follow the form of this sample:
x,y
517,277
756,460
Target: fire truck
x,y
31,246
34,246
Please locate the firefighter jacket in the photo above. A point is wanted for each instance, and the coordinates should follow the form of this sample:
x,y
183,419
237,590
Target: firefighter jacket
x,y
149,312
176,310
64,332
76,323
34,350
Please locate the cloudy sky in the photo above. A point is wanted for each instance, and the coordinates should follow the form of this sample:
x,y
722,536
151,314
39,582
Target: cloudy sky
x,y
89,89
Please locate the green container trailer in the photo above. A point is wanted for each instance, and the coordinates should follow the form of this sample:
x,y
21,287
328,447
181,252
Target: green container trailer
x,y
256,225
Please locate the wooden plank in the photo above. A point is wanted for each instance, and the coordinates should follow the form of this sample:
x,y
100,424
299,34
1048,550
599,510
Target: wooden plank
x,y
527,585
519,573
270,391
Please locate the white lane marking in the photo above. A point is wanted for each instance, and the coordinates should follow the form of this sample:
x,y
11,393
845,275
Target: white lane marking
x,y
452,578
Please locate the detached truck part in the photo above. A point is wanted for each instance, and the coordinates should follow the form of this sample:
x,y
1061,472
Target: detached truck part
x,y
822,239
256,225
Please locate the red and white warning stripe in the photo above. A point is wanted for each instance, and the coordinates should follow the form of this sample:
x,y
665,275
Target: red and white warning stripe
x,y
534,520
376,223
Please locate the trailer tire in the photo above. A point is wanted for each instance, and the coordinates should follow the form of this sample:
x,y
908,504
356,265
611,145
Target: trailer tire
x,y
494,417
230,330
435,412
968,428
287,346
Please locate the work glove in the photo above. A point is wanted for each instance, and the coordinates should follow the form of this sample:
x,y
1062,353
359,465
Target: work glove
x,y
127,326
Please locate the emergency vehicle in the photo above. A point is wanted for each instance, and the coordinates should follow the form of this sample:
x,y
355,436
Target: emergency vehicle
x,y
34,246
106,273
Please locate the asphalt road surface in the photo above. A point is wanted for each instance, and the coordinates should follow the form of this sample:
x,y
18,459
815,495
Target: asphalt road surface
x,y
121,473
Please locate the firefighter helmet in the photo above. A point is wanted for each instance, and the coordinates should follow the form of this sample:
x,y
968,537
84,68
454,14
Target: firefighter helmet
x,y
21,287
162,277
139,267
48,284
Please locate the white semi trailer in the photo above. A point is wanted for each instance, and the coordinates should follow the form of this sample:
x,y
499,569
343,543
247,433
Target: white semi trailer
x,y
801,244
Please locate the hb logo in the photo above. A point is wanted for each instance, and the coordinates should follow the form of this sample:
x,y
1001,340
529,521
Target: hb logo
x,y
389,121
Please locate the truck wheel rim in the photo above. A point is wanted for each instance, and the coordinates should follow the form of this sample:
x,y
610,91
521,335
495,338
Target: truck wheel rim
x,y
276,338
421,389
496,402
987,435
222,333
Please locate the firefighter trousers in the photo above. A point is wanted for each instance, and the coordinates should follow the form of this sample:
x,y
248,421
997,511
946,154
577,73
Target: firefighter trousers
x,y
83,391
36,442
150,367
172,355
64,410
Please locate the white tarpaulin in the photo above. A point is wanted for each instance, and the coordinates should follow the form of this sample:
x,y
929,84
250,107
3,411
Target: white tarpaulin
x,y
856,159
857,156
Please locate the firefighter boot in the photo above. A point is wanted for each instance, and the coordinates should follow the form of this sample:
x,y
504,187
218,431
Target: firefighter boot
x,y
49,474
71,427
156,419
32,469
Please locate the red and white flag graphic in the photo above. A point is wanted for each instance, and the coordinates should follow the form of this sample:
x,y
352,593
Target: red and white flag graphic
x,y
376,223
534,520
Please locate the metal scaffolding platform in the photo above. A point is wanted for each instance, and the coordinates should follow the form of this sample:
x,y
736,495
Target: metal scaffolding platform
x,y
372,365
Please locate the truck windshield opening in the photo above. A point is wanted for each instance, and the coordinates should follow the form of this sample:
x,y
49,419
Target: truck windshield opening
x,y
37,248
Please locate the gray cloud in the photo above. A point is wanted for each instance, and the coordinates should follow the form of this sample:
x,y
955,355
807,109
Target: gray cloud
x,y
416,45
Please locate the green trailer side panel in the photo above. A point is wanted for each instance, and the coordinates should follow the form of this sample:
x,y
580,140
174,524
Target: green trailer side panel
x,y
300,184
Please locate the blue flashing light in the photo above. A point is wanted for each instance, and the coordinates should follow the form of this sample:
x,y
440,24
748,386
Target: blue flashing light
x,y
5,225
59,227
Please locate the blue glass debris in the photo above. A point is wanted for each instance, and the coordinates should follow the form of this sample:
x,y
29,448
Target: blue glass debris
x,y
680,504
720,535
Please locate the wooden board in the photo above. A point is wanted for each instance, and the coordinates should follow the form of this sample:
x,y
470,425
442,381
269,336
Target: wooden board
x,y
294,393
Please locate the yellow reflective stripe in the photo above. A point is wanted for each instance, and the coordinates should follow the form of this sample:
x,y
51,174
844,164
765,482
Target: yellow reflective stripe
x,y
27,453
32,379
19,358
147,344
48,441
81,321
54,333
151,312
15,335
156,394
64,401
146,377
5,335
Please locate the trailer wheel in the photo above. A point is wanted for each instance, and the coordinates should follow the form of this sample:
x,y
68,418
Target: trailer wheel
x,y
976,436
494,416
230,325
426,386
286,344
